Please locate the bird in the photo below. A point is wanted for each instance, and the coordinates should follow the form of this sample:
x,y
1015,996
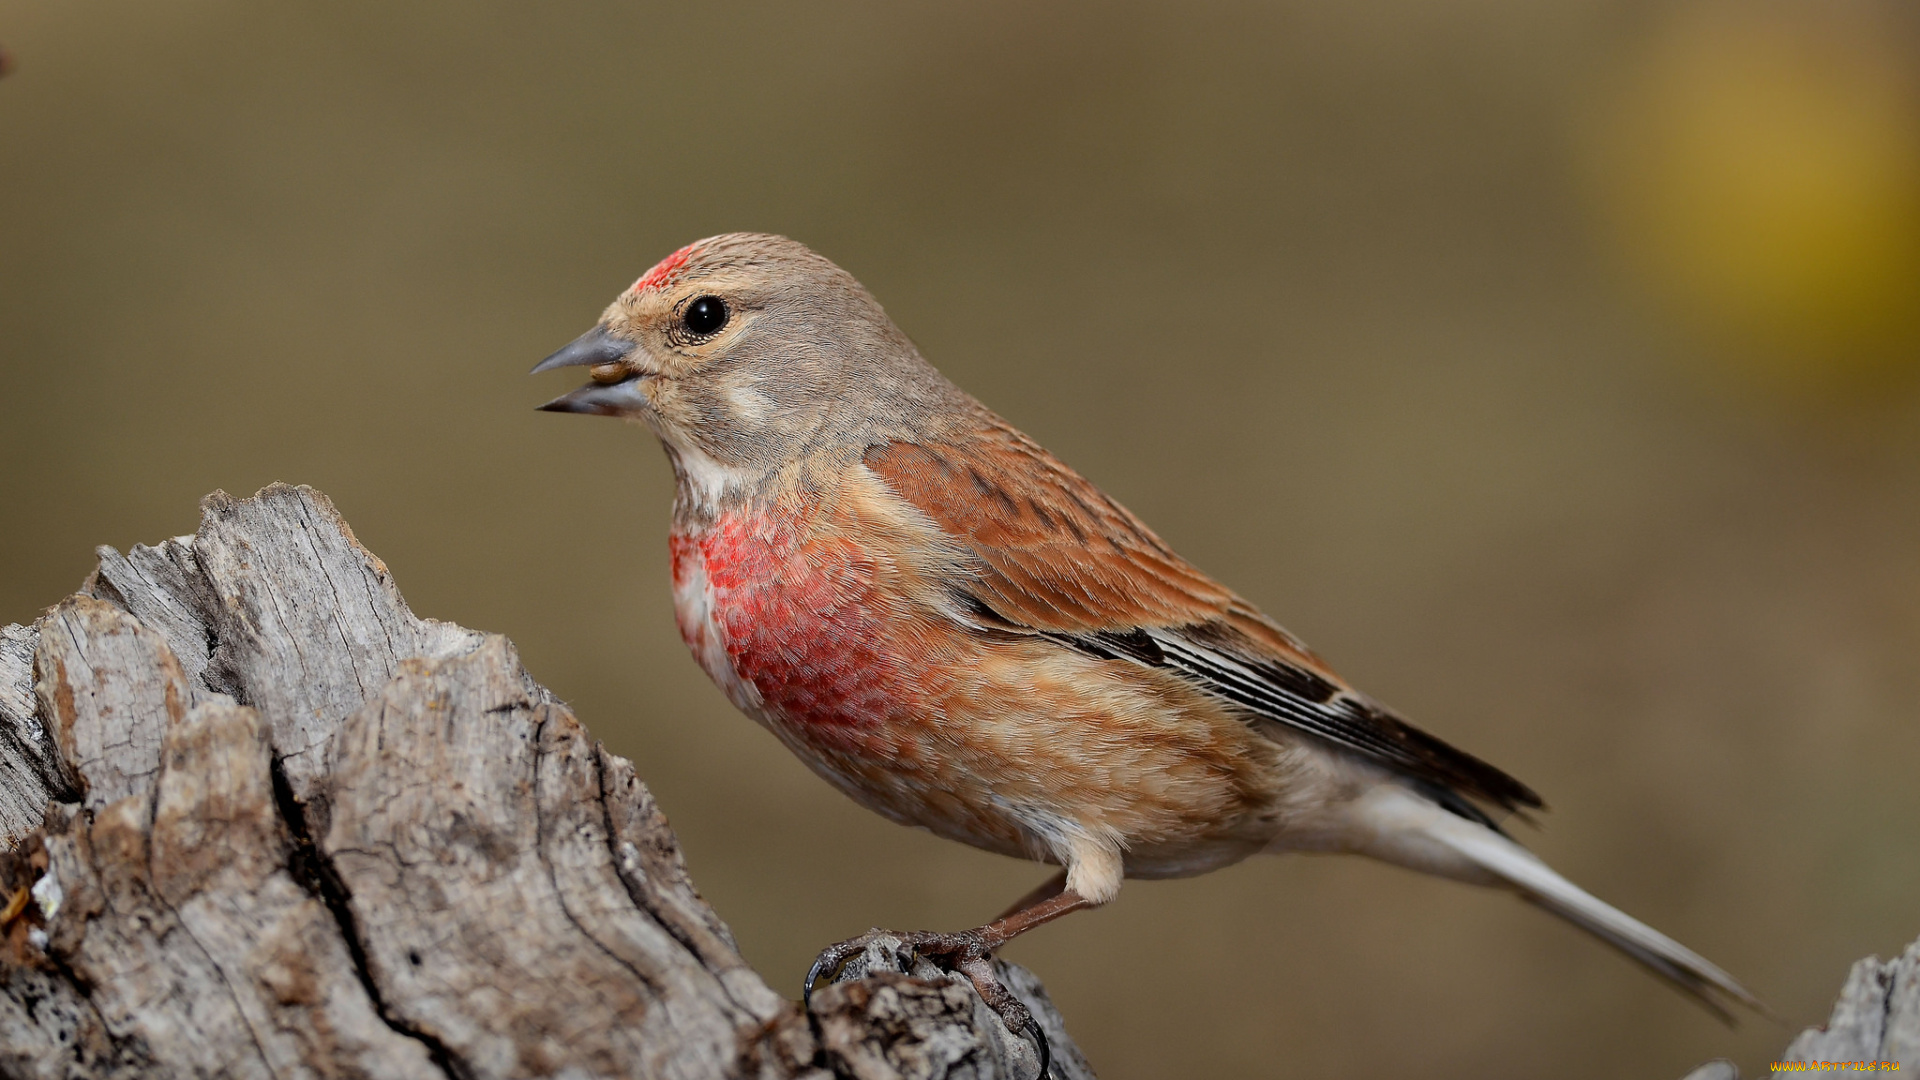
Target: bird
x,y
951,626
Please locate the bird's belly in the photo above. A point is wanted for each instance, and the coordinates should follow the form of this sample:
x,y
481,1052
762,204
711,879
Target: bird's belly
x,y
1014,747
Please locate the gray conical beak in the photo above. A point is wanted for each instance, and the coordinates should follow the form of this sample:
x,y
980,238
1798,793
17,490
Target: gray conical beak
x,y
597,399
596,346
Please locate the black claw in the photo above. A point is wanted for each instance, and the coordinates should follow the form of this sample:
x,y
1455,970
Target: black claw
x,y
1040,1043
824,964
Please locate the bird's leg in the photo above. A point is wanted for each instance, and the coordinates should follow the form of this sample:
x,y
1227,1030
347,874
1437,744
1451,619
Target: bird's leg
x,y
1039,913
966,947
1046,890
970,952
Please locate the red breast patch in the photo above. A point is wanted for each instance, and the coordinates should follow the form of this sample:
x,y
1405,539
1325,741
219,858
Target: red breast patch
x,y
800,619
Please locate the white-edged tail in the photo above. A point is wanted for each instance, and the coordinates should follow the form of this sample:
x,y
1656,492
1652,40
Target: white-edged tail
x,y
1401,827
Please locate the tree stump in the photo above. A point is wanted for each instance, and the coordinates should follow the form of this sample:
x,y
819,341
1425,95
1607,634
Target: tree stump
x,y
1875,1024
261,820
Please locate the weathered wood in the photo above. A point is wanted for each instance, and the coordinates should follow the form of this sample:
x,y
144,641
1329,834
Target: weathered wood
x,y
261,820
161,587
178,914
30,770
471,835
309,624
894,1013
108,687
1875,1019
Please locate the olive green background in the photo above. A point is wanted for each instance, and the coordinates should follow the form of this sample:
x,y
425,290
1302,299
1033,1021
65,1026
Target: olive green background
x,y
1345,299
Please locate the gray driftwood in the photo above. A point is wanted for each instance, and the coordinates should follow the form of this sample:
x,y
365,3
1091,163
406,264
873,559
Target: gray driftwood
x,y
1875,1019
258,819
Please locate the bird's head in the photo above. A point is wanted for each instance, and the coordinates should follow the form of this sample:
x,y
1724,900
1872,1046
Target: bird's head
x,y
745,351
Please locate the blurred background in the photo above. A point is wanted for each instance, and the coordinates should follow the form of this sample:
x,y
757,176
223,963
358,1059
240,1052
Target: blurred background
x,y
1553,368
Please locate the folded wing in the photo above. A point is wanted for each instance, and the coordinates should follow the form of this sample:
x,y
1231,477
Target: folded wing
x,y
1056,557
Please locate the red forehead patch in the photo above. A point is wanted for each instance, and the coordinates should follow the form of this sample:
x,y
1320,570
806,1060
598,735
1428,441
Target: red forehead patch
x,y
664,270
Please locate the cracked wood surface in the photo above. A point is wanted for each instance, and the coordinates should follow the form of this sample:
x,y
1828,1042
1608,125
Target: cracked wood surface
x,y
1877,1016
1876,1019
30,770
262,820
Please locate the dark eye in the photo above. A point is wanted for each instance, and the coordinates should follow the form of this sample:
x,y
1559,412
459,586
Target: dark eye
x,y
704,316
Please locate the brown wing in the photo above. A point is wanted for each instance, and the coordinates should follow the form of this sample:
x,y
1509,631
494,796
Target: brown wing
x,y
1057,557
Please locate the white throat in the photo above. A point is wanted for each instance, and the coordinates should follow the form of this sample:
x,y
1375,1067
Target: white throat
x,y
704,481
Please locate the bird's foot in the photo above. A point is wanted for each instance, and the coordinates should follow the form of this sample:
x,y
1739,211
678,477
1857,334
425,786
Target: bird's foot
x,y
968,953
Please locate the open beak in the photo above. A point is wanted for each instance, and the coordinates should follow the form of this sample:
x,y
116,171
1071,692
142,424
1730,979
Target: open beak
x,y
596,346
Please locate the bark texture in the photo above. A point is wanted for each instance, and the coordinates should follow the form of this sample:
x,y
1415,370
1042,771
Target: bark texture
x,y
1876,1019
1875,1024
259,819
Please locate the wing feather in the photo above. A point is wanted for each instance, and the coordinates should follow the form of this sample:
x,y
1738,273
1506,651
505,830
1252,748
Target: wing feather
x,y
1057,557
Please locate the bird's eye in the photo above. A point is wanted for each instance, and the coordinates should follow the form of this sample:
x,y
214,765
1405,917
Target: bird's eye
x,y
704,316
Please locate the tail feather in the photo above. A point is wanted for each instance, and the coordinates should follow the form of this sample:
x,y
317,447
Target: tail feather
x,y
1401,827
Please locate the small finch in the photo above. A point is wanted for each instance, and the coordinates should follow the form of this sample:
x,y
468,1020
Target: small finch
x,y
958,631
